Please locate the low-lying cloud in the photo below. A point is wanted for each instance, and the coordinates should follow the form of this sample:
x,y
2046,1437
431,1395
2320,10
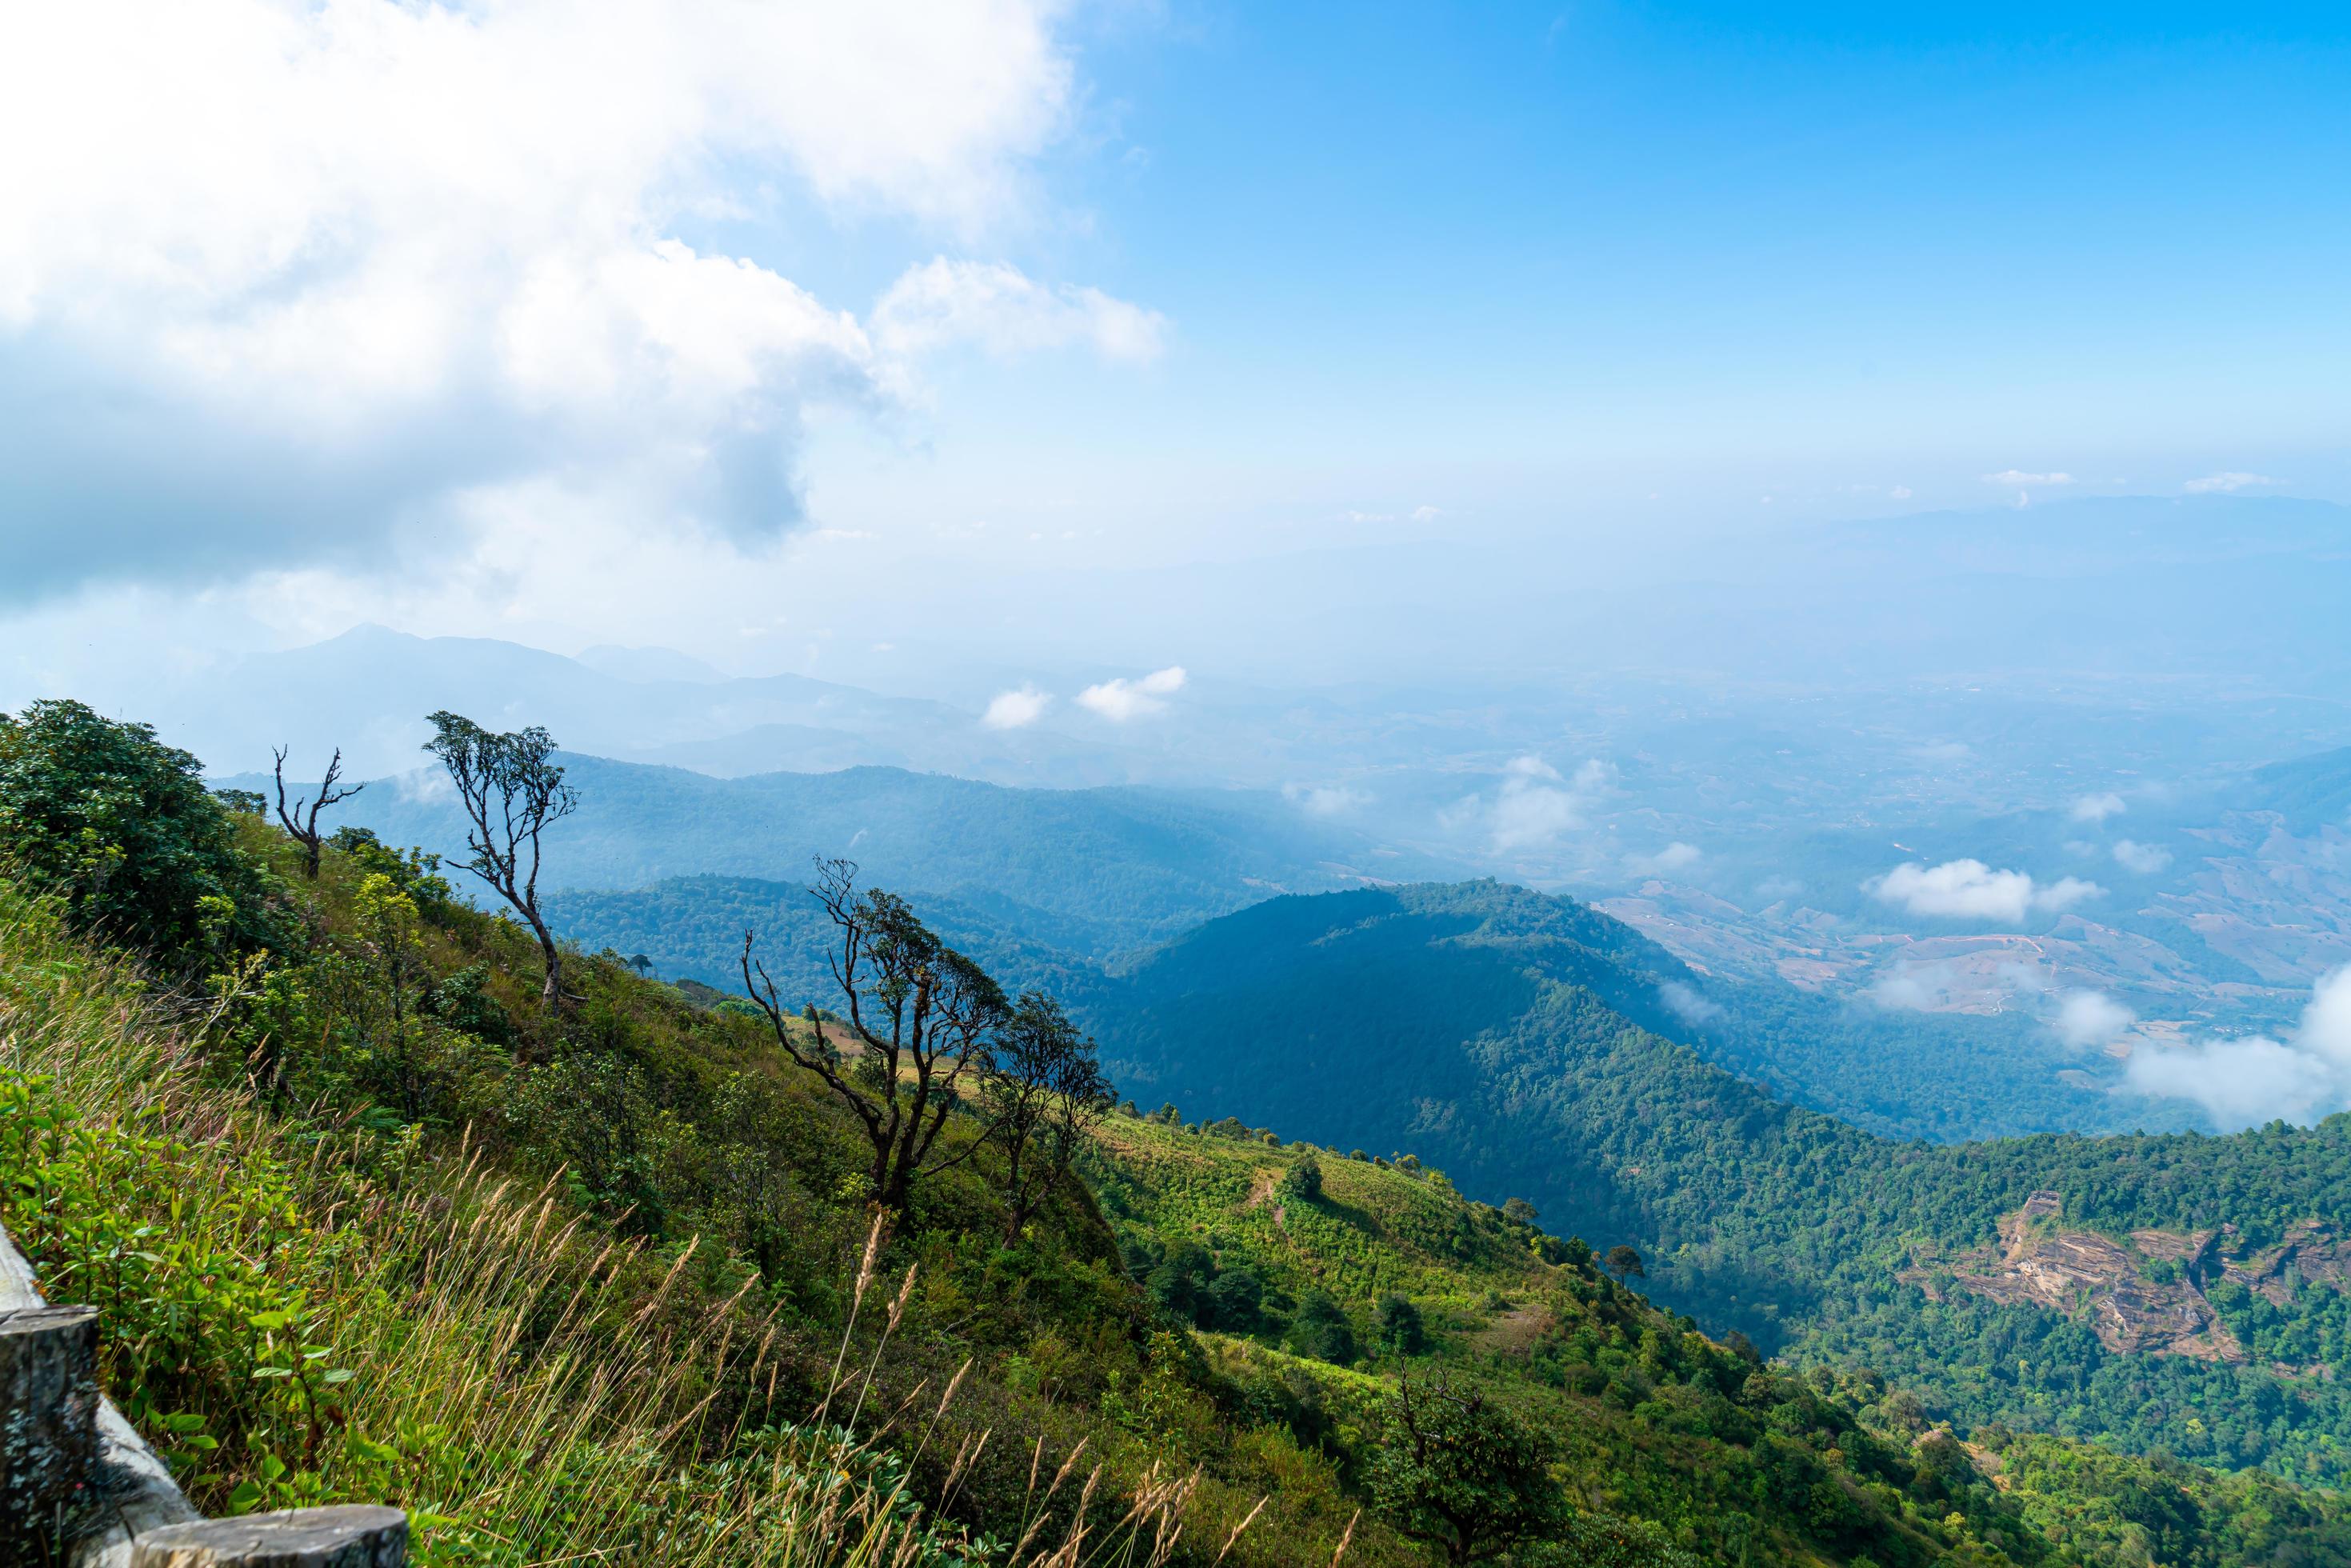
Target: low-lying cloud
x,y
2086,1021
1120,699
1325,799
1675,857
2098,808
1016,709
1971,890
2246,1081
2229,483
1534,806
2145,860
1684,1002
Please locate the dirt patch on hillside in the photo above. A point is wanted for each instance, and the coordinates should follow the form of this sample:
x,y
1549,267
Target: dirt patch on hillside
x,y
2085,1275
1512,1333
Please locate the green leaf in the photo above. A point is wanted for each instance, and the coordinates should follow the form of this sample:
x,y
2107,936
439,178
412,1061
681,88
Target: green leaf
x,y
243,1497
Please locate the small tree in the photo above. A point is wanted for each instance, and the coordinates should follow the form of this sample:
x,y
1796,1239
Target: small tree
x,y
642,962
1046,1092
921,1014
1320,1329
1519,1211
513,792
1463,1474
301,822
1301,1183
394,941
1624,1263
1396,1328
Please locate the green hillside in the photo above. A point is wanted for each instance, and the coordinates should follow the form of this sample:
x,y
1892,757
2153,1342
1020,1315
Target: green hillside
x,y
1486,1028
365,1221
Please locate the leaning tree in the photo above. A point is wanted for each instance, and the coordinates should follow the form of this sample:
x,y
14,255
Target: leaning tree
x,y
301,820
513,791
921,1020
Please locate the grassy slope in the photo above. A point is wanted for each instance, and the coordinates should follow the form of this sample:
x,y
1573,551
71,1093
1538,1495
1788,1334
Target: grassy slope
x,y
586,1304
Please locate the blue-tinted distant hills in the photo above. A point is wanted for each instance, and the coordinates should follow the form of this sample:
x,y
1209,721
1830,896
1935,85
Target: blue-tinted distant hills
x,y
1098,872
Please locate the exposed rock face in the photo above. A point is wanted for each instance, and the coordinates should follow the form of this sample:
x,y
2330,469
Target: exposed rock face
x,y
2314,1252
2080,1272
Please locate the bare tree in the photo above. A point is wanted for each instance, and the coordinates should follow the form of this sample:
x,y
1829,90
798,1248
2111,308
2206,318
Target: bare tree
x,y
302,820
921,1018
1046,1092
513,791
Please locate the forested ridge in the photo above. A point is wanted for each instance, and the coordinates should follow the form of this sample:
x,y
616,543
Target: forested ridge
x,y
1477,1026
379,1205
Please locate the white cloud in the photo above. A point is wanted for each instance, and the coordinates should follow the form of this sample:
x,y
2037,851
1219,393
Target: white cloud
x,y
1941,984
2098,808
1684,1003
1971,890
1676,856
2086,1020
1120,699
1535,806
2146,859
1425,514
2011,478
1325,799
1773,889
2228,482
1900,492
2244,1082
1016,709
1912,988
291,277
1000,309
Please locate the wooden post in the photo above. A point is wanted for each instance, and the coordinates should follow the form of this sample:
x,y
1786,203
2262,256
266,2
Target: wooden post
x,y
350,1536
48,1419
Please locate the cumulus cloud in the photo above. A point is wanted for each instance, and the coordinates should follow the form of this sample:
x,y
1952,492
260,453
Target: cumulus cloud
x,y
2011,477
2145,860
2087,1020
289,278
1325,799
1676,856
1684,1002
1120,699
1971,890
1534,806
2254,1079
1001,310
2098,808
2227,483
1016,709
1773,889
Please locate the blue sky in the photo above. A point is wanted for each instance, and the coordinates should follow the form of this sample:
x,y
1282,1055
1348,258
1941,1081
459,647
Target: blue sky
x,y
526,318
1790,246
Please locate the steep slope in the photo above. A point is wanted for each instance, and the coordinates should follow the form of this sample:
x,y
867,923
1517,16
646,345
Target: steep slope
x,y
1494,1033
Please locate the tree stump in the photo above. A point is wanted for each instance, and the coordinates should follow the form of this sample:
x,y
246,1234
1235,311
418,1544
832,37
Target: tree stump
x,y
48,1419
351,1536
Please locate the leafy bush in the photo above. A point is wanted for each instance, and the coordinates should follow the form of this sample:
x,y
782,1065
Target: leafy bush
x,y
121,826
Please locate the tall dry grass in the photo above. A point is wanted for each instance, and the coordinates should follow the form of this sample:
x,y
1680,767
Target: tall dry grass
x,y
534,1390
